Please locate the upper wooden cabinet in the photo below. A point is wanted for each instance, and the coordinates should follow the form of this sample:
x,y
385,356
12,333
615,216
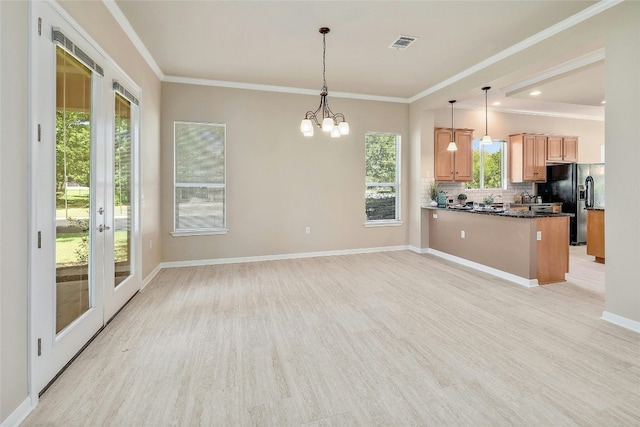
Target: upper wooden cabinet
x,y
527,158
453,165
562,149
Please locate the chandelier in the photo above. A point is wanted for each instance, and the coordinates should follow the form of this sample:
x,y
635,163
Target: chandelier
x,y
333,123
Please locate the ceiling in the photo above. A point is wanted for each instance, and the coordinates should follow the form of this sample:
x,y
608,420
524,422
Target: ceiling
x,y
277,43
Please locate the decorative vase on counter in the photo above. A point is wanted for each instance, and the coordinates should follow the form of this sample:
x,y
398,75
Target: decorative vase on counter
x,y
442,200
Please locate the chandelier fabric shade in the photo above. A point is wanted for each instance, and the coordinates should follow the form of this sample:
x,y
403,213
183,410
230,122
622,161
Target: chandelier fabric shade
x,y
452,145
486,139
333,123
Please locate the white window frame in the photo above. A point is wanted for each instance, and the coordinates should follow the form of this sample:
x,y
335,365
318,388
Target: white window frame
x,y
503,166
397,184
223,186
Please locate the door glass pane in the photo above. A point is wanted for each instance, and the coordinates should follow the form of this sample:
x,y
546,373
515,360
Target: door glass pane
x,y
122,189
73,187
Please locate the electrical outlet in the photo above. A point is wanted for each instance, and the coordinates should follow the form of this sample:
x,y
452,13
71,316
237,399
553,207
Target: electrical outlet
x,y
435,215
462,234
150,243
538,235
308,230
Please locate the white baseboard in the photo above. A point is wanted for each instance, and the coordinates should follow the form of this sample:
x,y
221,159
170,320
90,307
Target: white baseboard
x,y
19,414
529,283
216,261
418,250
633,325
150,277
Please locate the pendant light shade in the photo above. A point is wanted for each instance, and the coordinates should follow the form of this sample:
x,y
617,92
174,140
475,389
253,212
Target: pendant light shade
x,y
486,139
452,145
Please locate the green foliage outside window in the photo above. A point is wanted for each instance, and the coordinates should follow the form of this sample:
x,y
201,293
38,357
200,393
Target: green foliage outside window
x,y
491,162
73,132
380,158
381,163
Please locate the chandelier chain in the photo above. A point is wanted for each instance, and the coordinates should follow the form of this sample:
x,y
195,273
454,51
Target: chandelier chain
x,y
324,66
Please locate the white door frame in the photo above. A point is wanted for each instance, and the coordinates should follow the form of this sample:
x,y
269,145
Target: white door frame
x,y
43,114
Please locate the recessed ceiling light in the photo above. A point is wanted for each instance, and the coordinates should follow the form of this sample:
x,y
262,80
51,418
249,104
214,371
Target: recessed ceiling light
x,y
603,102
535,93
496,103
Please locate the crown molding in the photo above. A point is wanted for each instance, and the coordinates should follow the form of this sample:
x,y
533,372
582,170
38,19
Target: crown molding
x,y
281,89
597,118
563,25
133,36
568,67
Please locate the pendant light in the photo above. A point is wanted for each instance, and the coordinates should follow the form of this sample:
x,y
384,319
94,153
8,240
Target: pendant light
x,y
486,139
452,145
333,123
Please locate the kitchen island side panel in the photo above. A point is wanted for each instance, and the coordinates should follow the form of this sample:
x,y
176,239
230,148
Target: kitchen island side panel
x,y
504,243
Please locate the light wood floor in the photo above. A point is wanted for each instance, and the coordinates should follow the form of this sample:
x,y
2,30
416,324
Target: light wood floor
x,y
390,338
584,271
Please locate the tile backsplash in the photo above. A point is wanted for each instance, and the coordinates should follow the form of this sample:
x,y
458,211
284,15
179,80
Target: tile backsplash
x,y
452,189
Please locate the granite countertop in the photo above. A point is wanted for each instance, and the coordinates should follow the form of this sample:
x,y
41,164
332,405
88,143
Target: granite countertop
x,y
596,208
500,212
536,204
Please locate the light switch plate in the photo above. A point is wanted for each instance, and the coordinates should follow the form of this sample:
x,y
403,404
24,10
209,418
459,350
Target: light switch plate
x,y
538,235
435,215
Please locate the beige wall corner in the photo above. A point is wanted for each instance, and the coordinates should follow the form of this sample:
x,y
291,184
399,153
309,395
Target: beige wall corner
x,y
622,228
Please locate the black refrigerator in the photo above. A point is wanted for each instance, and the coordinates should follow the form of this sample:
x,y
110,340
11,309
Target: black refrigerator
x,y
577,187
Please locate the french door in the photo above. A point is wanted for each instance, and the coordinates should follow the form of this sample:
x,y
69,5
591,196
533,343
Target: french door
x,y
83,210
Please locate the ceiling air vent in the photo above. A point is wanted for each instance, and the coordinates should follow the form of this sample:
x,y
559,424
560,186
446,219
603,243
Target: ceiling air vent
x,y
402,42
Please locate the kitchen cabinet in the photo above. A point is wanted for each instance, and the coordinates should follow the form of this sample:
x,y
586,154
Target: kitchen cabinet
x,y
562,149
527,158
453,165
595,234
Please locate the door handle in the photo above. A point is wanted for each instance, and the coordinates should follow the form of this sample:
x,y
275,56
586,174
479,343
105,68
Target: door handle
x,y
103,227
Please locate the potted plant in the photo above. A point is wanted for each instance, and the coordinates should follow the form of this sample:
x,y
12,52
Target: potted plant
x,y
434,190
488,200
462,199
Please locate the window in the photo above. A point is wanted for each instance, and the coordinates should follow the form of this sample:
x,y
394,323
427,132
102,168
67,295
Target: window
x,y
489,165
382,168
199,178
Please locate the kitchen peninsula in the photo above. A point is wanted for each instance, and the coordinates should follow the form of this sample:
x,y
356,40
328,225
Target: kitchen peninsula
x,y
528,248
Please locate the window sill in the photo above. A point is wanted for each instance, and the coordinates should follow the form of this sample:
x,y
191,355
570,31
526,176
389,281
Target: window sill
x,y
390,223
199,232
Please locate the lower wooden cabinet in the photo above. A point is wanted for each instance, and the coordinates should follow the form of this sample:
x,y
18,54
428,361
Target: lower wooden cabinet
x,y
595,234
